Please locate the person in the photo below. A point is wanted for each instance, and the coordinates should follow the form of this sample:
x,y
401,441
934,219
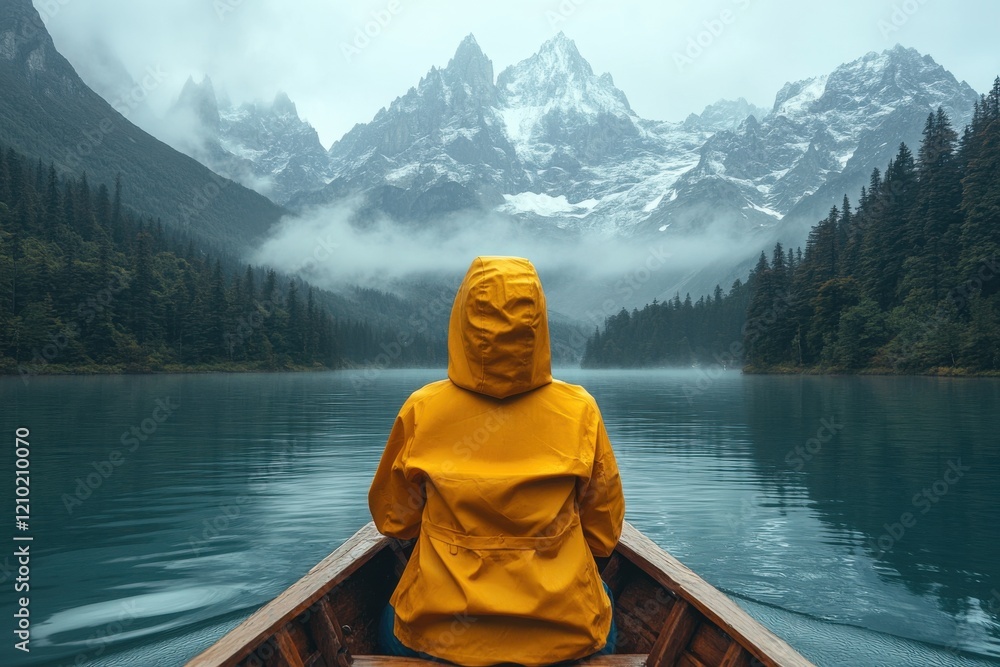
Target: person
x,y
507,480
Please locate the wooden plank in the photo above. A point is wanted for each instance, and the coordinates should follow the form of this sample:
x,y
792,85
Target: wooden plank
x,y
360,600
762,644
641,554
624,660
315,660
640,611
688,660
674,637
328,635
263,624
288,653
736,656
710,644
629,660
304,645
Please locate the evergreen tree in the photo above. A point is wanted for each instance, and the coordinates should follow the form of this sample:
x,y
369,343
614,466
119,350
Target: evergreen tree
x,y
296,324
53,206
935,226
142,291
886,243
980,233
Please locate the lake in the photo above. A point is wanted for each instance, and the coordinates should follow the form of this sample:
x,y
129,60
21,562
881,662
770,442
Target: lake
x,y
857,517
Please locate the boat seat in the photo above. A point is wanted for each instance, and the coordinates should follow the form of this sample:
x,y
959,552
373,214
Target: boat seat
x,y
624,660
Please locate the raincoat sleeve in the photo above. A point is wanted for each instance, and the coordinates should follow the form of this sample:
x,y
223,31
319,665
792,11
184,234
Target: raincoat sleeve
x,y
602,502
396,498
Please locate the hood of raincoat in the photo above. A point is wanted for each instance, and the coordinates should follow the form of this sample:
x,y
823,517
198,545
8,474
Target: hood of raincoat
x,y
498,336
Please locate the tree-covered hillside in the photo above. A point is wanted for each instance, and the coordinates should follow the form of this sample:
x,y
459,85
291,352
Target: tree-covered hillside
x,y
672,333
47,111
906,282
86,284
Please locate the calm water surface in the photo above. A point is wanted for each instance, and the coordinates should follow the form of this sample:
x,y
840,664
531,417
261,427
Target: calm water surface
x,y
859,518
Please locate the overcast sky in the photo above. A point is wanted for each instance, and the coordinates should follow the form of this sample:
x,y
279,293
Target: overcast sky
x,y
308,48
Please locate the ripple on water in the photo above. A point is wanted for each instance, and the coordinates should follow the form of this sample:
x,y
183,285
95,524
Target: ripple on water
x,y
706,476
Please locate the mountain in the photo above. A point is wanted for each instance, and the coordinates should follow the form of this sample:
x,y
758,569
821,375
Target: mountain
x,y
725,115
439,148
821,139
589,158
48,112
553,144
548,142
557,148
266,147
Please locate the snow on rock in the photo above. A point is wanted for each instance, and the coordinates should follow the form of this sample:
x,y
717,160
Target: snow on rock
x,y
545,205
652,205
548,132
266,147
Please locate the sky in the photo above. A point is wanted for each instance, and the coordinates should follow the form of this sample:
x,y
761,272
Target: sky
x,y
341,62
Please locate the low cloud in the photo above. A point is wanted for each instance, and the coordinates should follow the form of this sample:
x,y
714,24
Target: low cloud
x,y
581,270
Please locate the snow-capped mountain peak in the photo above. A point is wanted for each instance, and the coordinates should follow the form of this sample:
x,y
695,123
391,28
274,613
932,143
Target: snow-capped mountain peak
x,y
557,76
264,146
725,115
823,137
797,98
560,54
552,143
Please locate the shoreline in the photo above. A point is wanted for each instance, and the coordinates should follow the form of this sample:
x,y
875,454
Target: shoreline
x,y
57,370
8,370
943,371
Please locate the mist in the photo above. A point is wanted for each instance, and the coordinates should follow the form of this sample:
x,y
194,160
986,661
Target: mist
x,y
587,275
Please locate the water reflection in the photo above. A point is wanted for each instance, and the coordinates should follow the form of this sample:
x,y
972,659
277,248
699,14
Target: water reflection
x,y
255,478
776,488
909,483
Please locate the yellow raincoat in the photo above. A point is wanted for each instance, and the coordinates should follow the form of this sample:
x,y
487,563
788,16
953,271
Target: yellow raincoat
x,y
507,479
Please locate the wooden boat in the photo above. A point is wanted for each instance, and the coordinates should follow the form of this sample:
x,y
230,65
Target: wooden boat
x,y
666,614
